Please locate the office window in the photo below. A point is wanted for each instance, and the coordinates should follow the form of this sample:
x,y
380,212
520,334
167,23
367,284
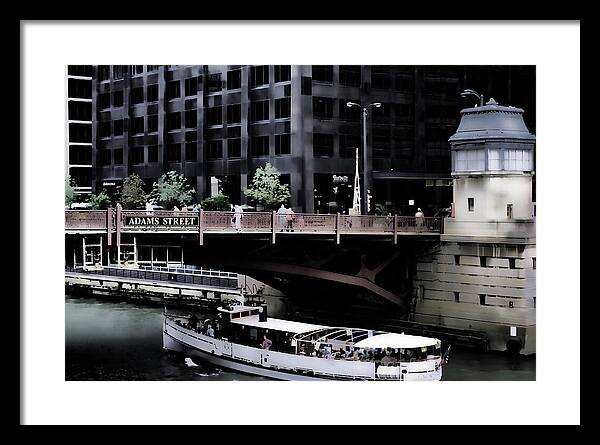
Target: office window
x,y
282,108
350,75
153,153
137,155
260,146
135,70
215,149
103,73
348,145
191,86
173,89
173,120
137,95
282,144
152,93
104,129
80,133
283,73
351,114
80,111
119,71
234,114
214,83
103,101
259,111
234,148
259,75
323,108
471,204
118,127
152,123
137,125
174,153
380,80
322,145
404,85
191,151
381,115
118,98
103,157
234,79
322,73
191,119
402,111
118,156
214,116
152,67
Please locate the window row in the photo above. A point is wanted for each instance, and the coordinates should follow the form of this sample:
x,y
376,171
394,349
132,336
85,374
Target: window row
x,y
508,160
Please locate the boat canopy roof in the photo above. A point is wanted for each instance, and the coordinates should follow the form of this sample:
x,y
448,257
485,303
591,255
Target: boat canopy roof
x,y
276,324
396,341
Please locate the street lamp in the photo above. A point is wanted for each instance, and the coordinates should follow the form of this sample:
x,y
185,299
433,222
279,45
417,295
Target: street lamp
x,y
365,158
469,92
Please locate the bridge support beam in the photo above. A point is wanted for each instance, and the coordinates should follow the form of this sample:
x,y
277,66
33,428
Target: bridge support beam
x,y
273,231
201,227
395,229
337,228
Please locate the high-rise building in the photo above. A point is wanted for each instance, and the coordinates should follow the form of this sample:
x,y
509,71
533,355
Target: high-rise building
x,y
216,124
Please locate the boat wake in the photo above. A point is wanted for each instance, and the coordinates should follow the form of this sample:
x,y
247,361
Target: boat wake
x,y
190,363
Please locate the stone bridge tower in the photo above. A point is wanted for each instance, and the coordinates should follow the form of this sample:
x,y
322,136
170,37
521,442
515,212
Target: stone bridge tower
x,y
482,277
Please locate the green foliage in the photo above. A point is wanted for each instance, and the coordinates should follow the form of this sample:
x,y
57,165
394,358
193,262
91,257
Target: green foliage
x,y
218,202
101,201
266,188
133,195
69,190
171,190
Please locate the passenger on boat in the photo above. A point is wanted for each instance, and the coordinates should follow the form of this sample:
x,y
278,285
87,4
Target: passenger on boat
x,y
210,331
193,322
266,343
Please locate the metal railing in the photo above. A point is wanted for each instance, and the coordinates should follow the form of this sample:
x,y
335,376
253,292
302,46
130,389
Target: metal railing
x,y
247,222
228,282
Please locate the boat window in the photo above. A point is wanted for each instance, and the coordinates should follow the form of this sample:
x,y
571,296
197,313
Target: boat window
x,y
245,314
253,333
235,315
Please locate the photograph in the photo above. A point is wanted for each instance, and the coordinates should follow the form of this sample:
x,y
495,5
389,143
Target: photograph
x,y
300,222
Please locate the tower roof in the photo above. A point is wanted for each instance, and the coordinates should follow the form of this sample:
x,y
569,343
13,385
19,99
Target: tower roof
x,y
491,121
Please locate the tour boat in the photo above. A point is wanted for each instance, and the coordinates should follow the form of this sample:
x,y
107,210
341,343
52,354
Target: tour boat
x,y
245,339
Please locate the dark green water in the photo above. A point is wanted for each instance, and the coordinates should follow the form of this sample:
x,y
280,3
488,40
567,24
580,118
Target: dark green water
x,y
123,341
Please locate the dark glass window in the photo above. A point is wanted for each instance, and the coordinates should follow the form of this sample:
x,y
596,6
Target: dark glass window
x,y
103,101
191,151
173,120
191,119
381,115
152,123
260,146
119,72
152,67
351,114
152,93
137,155
259,75
322,73
80,154
103,73
118,156
137,95
137,125
118,98
380,80
214,83
104,157
134,70
234,114
118,127
350,75
174,153
283,73
403,84
153,153
322,145
214,116
80,70
191,86
173,89
215,149
80,111
104,129
80,132
348,145
282,144
282,108
234,79
234,148
80,88
322,107
259,111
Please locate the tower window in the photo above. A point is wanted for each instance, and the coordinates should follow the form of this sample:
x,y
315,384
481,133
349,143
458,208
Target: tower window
x,y
457,297
509,211
457,260
511,263
483,261
471,203
482,299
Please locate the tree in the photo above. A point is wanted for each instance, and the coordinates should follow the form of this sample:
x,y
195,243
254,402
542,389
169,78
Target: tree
x,y
101,201
133,194
170,190
219,202
266,187
69,190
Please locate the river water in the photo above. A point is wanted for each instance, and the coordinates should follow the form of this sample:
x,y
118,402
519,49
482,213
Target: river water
x,y
108,340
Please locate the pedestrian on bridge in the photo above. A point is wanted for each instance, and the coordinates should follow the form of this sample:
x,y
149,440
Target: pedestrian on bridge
x,y
419,216
290,220
237,216
282,212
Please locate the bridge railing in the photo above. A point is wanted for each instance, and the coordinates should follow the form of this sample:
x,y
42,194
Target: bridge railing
x,y
230,221
366,223
305,222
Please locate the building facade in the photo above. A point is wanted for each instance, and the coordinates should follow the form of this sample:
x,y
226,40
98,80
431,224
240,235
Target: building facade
x,y
217,124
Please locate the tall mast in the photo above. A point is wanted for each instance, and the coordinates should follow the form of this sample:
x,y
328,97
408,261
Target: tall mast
x,y
356,198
